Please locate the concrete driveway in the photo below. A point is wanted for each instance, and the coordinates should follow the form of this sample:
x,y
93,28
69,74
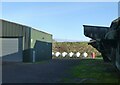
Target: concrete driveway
x,y
51,71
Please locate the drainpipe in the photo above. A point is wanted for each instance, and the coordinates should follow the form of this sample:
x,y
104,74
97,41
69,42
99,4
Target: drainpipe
x,y
33,56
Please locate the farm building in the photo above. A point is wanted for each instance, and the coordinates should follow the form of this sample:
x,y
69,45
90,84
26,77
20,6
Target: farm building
x,y
22,43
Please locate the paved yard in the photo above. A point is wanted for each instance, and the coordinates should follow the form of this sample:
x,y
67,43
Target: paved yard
x,y
52,71
61,71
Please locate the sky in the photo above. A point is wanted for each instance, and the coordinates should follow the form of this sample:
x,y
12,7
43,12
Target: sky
x,y
64,20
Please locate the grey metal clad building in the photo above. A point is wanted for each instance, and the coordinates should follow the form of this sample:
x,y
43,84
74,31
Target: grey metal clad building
x,y
23,43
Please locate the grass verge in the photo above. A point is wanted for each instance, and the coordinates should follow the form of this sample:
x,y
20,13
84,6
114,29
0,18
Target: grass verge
x,y
93,71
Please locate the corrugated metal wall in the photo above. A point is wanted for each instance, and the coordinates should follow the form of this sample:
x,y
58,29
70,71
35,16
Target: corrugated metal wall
x,y
41,43
39,35
0,41
32,39
43,50
0,28
10,29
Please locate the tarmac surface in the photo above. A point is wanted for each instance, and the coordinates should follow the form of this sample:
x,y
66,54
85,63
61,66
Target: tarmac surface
x,y
51,71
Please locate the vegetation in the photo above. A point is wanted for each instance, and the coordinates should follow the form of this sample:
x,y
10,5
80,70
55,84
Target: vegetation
x,y
74,47
88,70
93,71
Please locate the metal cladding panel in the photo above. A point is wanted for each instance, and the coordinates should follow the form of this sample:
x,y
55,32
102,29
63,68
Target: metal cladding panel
x,y
26,35
30,38
40,36
11,29
26,45
41,45
0,27
3,28
43,50
1,51
26,41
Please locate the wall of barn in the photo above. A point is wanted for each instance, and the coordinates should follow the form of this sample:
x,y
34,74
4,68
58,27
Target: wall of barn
x,y
41,44
11,30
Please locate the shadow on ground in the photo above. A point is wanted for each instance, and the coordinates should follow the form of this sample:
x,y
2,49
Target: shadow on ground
x,y
60,71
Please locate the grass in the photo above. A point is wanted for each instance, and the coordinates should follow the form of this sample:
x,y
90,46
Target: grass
x,y
93,71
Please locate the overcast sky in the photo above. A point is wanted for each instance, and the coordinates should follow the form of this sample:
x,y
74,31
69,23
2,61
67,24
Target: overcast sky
x,y
64,20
